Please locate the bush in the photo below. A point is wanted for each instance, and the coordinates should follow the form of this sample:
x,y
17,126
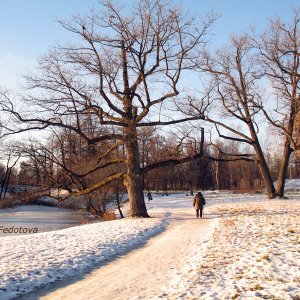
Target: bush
x,y
108,216
7,202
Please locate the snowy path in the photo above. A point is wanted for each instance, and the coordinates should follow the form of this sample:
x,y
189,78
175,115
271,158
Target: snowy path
x,y
152,271
247,247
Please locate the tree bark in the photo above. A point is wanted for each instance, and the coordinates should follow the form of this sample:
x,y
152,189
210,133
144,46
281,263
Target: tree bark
x,y
217,175
261,161
191,188
118,200
134,181
265,172
283,168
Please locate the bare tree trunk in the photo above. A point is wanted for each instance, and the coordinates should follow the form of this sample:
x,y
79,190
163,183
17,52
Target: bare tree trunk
x,y
118,199
265,172
134,178
6,180
217,175
191,188
283,168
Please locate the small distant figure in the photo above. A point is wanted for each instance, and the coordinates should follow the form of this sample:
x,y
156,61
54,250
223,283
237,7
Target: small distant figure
x,y
149,196
199,202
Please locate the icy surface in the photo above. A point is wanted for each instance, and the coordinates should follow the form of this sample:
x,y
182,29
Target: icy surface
x,y
43,218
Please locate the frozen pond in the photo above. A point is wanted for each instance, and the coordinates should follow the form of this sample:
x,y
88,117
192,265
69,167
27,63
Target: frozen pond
x,y
37,218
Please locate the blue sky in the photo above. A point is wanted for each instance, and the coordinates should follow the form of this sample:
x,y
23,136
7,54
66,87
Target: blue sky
x,y
28,27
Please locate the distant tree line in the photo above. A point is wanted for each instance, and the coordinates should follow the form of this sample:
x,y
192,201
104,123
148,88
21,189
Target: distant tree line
x,y
57,165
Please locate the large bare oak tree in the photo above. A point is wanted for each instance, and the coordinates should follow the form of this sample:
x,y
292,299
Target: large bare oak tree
x,y
122,71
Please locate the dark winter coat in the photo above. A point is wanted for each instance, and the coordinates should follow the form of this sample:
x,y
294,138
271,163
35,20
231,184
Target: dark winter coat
x,y
199,201
149,196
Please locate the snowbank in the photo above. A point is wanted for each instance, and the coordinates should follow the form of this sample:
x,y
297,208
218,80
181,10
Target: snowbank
x,y
31,261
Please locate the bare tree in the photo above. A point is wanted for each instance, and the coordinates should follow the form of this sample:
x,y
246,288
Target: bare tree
x,y
11,158
279,49
235,75
122,73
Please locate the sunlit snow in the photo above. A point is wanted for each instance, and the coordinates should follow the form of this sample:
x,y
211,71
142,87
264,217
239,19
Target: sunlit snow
x,y
246,247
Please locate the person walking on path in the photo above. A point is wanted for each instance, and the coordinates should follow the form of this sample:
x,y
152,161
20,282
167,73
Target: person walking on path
x,y
149,196
199,202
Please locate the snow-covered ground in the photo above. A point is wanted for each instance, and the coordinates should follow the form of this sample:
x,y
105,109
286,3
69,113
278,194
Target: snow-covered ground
x,y
254,253
246,247
31,261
